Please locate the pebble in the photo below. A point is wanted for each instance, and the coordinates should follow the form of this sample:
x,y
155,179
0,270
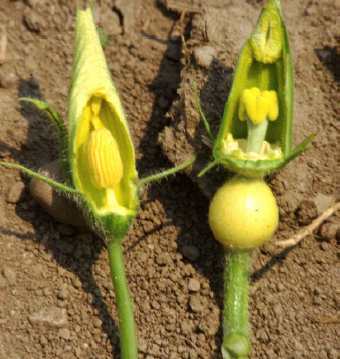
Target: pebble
x,y
59,207
15,192
191,252
204,55
8,80
97,323
194,285
195,304
10,275
51,316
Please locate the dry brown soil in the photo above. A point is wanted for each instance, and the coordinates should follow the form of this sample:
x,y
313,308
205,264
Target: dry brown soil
x,y
56,299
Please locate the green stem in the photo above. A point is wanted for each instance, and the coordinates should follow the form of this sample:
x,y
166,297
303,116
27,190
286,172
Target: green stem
x,y
164,174
256,135
236,332
54,184
127,328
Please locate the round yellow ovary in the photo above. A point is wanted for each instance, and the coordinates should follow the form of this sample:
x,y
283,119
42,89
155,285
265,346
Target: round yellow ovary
x,y
243,213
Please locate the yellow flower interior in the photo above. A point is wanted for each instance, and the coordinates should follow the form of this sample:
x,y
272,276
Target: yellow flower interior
x,y
100,158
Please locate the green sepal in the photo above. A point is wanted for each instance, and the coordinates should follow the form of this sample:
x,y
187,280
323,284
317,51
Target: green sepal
x,y
276,75
113,227
55,118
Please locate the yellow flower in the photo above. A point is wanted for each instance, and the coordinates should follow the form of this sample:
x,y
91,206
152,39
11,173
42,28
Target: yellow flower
x,y
101,151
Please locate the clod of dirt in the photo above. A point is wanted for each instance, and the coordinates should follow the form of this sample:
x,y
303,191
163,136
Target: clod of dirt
x,y
15,192
33,21
195,304
110,21
329,230
51,316
323,201
60,208
306,212
128,10
204,55
10,275
194,285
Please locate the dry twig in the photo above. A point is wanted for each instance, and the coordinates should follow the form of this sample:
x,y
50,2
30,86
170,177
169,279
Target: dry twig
x,y
308,230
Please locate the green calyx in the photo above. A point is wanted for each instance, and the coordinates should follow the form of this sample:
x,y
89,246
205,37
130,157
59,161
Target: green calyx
x,y
262,92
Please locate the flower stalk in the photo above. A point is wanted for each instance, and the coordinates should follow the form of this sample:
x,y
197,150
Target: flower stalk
x,y
128,332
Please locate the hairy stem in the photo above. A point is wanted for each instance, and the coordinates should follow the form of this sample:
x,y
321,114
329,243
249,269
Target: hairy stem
x,y
256,135
164,174
236,332
54,184
127,328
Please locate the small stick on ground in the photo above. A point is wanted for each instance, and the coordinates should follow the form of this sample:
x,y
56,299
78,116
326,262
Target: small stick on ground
x,y
308,230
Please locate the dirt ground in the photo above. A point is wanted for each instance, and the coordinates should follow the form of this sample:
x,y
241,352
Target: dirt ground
x,y
56,299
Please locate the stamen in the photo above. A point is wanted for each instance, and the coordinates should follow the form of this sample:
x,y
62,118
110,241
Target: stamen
x,y
104,161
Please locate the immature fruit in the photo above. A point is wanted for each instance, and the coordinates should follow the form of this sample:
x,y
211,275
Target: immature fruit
x,y
243,213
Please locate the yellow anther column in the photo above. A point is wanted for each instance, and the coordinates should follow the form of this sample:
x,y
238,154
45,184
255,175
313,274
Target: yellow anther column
x,y
257,107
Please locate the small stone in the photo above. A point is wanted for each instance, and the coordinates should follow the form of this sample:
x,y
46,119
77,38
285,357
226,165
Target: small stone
x,y
195,304
15,192
8,80
51,316
194,285
204,55
10,275
59,207
324,246
97,323
191,252
328,231
64,333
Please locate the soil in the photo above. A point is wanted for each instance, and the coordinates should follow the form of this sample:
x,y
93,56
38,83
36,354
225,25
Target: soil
x,y
56,299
